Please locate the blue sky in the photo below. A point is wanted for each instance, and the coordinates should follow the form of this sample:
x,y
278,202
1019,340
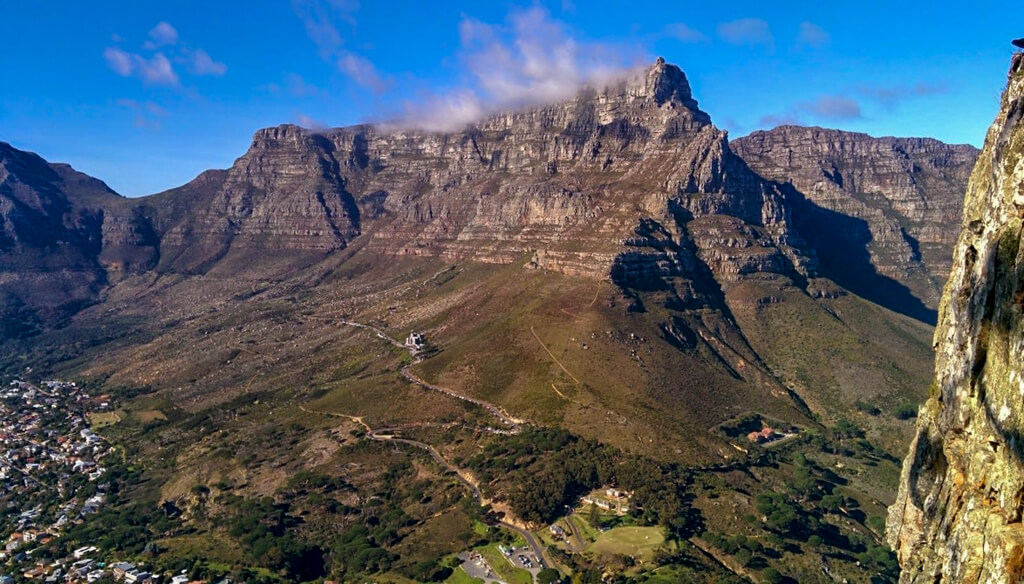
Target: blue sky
x,y
145,95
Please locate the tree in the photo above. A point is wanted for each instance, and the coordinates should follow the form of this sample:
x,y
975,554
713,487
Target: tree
x,y
771,576
743,556
594,517
548,576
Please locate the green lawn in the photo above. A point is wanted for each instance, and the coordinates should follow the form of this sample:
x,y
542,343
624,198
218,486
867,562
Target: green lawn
x,y
639,542
503,568
459,576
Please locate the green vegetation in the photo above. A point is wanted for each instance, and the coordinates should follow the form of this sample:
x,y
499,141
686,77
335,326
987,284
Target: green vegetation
x,y
906,411
459,576
637,542
505,570
542,471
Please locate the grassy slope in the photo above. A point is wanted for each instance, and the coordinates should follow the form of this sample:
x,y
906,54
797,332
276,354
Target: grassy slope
x,y
231,376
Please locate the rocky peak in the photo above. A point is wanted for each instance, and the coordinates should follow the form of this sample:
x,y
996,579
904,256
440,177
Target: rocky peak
x,y
664,82
957,517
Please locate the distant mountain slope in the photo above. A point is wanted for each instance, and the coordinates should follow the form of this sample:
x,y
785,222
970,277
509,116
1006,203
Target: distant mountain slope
x,y
63,237
877,210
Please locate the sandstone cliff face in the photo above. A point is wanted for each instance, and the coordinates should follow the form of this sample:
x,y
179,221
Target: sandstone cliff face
x,y
959,511
871,206
57,227
565,185
629,182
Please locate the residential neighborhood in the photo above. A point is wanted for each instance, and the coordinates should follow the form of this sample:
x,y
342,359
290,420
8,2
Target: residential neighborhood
x,y
52,478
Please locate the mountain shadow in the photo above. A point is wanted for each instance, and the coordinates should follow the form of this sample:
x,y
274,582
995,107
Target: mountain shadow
x,y
841,242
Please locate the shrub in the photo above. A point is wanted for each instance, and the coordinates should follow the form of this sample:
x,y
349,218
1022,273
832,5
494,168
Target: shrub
x,y
771,576
906,411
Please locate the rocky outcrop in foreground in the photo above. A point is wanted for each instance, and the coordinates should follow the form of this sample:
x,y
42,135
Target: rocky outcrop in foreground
x,y
958,516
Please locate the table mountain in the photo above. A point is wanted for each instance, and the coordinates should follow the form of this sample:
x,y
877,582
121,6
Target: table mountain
x,y
959,511
628,183
877,210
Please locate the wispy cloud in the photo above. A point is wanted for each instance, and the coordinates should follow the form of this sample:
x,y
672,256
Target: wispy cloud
x,y
363,72
156,68
529,59
161,35
832,107
309,122
317,18
147,113
747,32
321,19
827,108
773,120
813,36
684,33
889,97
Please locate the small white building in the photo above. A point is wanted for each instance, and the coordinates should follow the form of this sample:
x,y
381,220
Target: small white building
x,y
415,341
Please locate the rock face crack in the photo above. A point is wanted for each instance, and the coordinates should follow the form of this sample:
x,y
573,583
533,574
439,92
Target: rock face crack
x,y
957,514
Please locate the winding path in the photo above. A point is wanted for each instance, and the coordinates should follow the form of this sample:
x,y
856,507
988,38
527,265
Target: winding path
x,y
388,434
497,412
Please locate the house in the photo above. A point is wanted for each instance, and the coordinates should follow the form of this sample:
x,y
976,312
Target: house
x,y
767,434
5,579
557,532
415,341
120,569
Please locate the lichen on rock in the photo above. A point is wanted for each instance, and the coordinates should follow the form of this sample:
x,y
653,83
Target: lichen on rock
x,y
957,517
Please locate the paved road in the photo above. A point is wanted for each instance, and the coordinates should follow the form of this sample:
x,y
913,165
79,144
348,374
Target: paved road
x,y
576,543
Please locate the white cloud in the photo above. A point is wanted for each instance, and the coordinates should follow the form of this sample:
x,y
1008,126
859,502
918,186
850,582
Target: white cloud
x,y
119,61
444,112
363,72
203,64
157,67
164,34
155,70
161,35
812,35
747,32
529,59
310,123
